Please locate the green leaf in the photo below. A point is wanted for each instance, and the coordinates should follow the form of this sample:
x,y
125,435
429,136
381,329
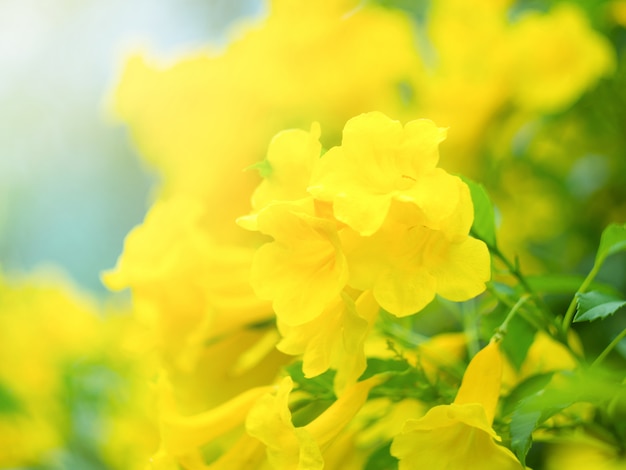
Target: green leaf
x,y
9,403
595,305
381,458
302,413
518,340
264,168
613,240
562,284
523,390
484,226
377,365
532,412
320,386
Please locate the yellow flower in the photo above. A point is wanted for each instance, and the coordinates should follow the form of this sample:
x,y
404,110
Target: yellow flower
x,y
182,436
303,269
302,448
334,339
557,56
291,157
186,287
460,435
380,161
203,119
406,263
584,451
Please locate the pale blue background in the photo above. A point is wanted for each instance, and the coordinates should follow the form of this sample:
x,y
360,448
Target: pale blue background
x,y
71,186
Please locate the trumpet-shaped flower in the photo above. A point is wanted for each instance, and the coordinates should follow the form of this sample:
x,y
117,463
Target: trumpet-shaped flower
x,y
380,161
291,157
183,436
334,339
290,447
460,435
303,269
557,57
406,264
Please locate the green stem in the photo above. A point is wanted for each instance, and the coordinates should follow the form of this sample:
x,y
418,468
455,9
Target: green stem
x,y
609,348
571,310
502,329
517,274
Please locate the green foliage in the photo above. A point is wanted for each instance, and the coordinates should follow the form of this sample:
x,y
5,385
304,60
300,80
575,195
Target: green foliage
x,y
596,305
613,241
484,226
523,390
318,394
9,403
381,458
533,411
264,168
319,386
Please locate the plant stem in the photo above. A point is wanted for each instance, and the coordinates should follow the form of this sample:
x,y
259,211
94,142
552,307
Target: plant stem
x,y
609,348
567,320
502,329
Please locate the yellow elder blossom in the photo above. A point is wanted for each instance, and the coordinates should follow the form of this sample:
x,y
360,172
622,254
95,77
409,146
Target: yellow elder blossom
x,y
302,448
182,436
406,264
204,119
460,435
303,269
557,57
334,339
378,162
187,287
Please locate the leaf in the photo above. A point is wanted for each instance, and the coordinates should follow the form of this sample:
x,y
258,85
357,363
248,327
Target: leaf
x,y
562,284
382,458
320,386
9,403
264,168
377,365
484,226
555,283
523,390
595,305
518,340
613,240
532,412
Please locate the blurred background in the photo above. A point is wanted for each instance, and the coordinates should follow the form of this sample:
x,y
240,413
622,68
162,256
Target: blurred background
x,y
71,186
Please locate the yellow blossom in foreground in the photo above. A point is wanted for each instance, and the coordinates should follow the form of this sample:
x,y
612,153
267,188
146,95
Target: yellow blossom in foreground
x,y
334,339
460,435
379,161
287,170
303,269
302,448
406,264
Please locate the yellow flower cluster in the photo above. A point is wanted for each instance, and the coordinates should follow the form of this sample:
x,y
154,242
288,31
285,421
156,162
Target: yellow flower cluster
x,y
374,214
288,338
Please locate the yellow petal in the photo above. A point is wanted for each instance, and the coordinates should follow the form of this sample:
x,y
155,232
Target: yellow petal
x,y
482,380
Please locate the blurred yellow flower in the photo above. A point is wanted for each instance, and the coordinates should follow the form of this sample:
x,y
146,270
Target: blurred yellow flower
x,y
302,447
557,56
